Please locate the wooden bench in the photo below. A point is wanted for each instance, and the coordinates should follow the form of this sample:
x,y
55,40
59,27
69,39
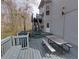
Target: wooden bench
x,y
48,45
12,53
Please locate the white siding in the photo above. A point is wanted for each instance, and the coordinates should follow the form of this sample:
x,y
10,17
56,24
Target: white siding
x,y
70,5
71,27
63,26
46,17
71,21
57,18
41,10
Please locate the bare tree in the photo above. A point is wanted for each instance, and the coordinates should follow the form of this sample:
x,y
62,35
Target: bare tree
x,y
17,18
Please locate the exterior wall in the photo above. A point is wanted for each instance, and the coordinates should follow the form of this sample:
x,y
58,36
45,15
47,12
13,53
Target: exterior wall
x,y
57,18
66,25
70,5
47,18
71,27
41,10
71,21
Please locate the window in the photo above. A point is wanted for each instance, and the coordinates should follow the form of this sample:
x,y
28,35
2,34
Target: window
x,y
47,12
47,25
47,7
42,14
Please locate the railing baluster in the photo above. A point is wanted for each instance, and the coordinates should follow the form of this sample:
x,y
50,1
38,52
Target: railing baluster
x,y
27,41
14,41
22,42
4,48
1,50
10,42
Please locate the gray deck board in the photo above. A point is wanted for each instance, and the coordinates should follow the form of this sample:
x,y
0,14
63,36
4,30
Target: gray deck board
x,y
29,54
21,56
35,55
26,54
12,53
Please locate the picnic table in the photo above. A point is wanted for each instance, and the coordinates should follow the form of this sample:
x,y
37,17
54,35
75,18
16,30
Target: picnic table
x,y
60,42
57,40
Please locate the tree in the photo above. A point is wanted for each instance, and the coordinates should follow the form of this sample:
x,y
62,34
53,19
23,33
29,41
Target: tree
x,y
17,18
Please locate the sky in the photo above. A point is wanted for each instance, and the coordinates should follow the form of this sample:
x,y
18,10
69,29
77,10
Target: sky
x,y
32,3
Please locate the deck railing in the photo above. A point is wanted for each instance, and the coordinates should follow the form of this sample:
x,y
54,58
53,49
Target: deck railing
x,y
5,45
20,40
10,41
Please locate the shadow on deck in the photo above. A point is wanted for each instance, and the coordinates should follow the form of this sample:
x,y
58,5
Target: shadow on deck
x,y
39,34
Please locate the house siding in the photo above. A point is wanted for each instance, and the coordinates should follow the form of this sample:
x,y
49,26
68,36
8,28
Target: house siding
x,y
65,26
57,18
71,27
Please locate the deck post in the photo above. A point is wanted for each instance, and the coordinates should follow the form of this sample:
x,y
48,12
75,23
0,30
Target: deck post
x,y
17,40
28,40
13,39
28,45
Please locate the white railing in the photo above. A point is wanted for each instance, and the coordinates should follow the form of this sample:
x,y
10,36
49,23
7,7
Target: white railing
x,y
5,45
13,41
20,40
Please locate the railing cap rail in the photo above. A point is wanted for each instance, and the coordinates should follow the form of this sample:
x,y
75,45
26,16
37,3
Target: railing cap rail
x,y
5,39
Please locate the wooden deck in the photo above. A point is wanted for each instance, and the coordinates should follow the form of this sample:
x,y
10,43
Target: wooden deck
x,y
37,51
17,52
29,54
12,53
